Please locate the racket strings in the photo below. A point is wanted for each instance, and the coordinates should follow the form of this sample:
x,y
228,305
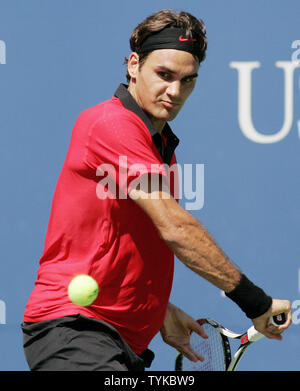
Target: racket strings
x,y
211,349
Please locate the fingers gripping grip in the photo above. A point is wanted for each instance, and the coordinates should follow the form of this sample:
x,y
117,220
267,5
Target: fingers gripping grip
x,y
278,320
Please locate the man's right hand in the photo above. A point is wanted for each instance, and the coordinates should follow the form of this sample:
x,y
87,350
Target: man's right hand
x,y
271,331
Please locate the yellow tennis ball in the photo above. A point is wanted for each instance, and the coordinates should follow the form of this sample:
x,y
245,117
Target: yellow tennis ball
x,y
83,290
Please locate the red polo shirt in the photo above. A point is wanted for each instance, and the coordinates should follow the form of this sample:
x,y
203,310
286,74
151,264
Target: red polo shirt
x,y
96,229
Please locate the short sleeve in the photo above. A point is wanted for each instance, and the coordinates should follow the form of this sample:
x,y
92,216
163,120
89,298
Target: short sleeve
x,y
120,149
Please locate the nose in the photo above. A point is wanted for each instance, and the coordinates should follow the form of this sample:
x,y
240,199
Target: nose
x,y
173,89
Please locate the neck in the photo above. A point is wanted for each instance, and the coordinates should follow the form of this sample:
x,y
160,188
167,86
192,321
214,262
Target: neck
x,y
158,124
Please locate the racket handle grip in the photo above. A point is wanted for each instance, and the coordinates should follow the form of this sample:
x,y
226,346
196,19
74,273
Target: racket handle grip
x,y
278,320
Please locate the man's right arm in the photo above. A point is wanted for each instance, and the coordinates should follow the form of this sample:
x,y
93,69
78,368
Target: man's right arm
x,y
196,248
189,241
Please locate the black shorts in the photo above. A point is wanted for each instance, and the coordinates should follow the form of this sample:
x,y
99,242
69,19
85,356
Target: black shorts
x,y
79,343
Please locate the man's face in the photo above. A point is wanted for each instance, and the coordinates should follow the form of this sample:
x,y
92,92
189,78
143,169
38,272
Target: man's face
x,y
163,83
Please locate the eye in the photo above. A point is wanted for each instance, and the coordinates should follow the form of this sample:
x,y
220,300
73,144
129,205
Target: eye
x,y
164,75
188,79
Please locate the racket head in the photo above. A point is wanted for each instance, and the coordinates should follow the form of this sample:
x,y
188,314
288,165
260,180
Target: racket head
x,y
215,350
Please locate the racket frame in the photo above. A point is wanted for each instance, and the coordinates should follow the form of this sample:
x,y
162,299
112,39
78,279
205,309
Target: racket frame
x,y
230,363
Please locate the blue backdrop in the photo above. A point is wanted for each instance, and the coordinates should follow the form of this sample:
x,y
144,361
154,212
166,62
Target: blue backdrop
x,y
242,123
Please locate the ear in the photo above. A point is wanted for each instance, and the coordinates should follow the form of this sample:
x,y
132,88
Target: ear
x,y
133,65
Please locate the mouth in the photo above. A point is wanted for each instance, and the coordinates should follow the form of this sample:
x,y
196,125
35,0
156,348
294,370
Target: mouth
x,y
169,105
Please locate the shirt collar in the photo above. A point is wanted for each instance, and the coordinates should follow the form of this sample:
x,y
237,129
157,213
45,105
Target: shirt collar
x,y
172,140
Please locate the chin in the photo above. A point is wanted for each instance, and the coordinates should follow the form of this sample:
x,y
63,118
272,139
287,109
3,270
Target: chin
x,y
162,115
171,116
166,115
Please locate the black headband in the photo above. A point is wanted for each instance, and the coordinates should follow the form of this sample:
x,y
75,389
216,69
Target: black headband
x,y
171,38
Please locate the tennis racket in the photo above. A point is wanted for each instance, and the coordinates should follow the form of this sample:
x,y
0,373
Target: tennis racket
x,y
216,349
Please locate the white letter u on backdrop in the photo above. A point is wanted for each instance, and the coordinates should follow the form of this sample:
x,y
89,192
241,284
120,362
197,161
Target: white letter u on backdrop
x,y
245,69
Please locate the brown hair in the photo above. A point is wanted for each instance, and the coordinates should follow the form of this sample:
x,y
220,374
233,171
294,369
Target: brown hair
x,y
167,18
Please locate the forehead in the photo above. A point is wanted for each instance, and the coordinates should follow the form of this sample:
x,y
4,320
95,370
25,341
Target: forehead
x,y
178,61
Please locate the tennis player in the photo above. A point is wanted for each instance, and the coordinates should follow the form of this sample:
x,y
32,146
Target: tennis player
x,y
115,216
